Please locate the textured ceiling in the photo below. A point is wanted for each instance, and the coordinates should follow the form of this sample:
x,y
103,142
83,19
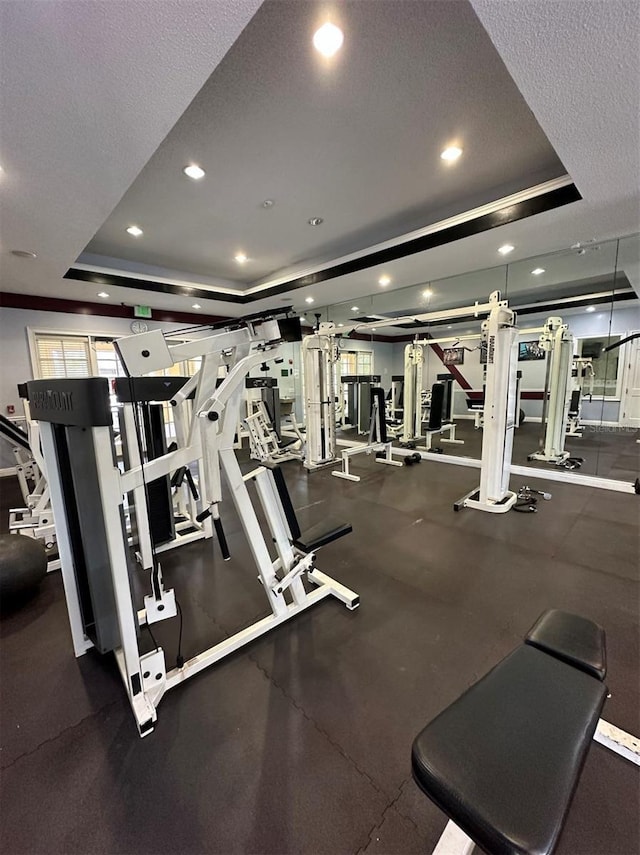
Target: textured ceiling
x,y
87,92
355,141
76,132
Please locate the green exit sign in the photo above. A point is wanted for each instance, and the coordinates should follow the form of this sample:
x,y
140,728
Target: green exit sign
x,y
142,311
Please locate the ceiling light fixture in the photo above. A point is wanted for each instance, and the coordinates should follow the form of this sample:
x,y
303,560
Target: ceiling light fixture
x,y
590,309
315,221
308,299
340,325
427,292
373,329
194,171
103,294
328,39
240,257
196,306
384,280
355,309
134,231
506,248
24,253
537,271
451,154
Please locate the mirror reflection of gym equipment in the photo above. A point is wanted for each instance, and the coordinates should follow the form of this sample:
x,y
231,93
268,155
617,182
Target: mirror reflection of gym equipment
x,y
319,428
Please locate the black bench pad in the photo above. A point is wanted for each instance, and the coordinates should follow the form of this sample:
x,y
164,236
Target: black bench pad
x,y
321,534
572,638
504,759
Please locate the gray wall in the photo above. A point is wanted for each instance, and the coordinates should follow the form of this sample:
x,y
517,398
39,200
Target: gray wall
x,y
15,362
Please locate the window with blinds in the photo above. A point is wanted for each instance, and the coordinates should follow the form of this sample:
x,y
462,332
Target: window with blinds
x,y
63,356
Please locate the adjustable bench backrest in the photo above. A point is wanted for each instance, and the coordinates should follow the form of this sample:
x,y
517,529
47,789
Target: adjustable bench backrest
x,y
525,727
316,536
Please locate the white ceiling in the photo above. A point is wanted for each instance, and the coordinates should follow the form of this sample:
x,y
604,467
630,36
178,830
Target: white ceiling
x,y
356,141
88,90
73,140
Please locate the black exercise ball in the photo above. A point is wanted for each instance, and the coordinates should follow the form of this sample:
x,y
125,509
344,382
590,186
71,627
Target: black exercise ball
x,y
23,566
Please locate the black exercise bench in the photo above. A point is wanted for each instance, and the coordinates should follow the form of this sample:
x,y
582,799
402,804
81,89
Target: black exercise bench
x,y
317,535
503,761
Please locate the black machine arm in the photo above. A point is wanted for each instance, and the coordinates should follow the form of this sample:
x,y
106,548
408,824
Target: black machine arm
x,y
621,342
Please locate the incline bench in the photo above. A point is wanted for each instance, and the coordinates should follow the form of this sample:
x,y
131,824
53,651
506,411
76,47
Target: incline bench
x,y
503,761
312,538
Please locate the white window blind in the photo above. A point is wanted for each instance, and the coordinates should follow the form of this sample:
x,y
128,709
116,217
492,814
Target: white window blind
x,y
63,356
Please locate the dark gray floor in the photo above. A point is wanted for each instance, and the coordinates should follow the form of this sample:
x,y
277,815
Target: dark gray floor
x,y
607,452
301,743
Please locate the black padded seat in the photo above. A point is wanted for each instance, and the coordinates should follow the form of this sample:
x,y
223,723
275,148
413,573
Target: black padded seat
x,y
503,760
321,534
572,638
314,537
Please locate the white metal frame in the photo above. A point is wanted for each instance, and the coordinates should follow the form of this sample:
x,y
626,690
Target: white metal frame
x,y
319,356
374,446
210,436
264,443
501,336
188,530
558,343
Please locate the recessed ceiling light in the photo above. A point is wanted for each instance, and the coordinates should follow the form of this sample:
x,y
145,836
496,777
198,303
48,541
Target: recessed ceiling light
x,y
373,329
268,203
194,171
384,280
427,292
537,271
103,294
240,257
328,39
449,327
308,300
451,153
134,231
355,309
196,306
506,248
315,221
24,253
590,309
340,325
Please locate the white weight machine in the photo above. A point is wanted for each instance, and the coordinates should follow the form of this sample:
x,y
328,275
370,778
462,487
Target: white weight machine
x,y
417,402
499,335
35,517
173,498
582,383
87,490
320,356
378,445
558,343
500,338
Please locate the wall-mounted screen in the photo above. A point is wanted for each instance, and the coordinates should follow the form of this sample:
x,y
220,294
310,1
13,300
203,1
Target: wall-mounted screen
x,y
453,356
530,350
